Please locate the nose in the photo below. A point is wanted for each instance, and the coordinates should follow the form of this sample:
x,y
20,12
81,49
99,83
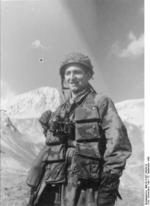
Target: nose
x,y
72,75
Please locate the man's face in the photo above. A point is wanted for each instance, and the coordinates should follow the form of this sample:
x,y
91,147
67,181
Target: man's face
x,y
76,78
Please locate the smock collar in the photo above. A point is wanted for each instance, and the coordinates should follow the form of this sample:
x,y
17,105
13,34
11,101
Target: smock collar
x,y
80,96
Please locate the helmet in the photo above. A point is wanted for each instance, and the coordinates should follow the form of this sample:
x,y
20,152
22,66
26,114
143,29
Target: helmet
x,y
76,58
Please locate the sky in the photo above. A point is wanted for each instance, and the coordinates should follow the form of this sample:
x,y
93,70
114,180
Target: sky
x,y
36,36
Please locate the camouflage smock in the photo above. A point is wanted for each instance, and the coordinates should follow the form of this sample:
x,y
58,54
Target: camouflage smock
x,y
114,151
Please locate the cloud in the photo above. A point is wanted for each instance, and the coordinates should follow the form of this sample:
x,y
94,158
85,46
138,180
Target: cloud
x,y
6,92
131,36
37,44
134,48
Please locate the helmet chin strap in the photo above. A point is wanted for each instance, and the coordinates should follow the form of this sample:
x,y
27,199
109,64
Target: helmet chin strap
x,y
65,90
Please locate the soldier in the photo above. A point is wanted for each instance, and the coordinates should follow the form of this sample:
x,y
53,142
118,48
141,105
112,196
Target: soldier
x,y
86,145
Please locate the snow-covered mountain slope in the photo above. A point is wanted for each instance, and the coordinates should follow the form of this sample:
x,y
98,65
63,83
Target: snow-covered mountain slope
x,y
21,133
132,111
32,103
17,149
22,138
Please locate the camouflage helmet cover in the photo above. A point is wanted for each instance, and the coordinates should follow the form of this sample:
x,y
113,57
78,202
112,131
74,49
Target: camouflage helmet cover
x,y
76,58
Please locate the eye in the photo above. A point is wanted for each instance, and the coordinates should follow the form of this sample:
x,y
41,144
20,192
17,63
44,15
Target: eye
x,y
78,72
67,73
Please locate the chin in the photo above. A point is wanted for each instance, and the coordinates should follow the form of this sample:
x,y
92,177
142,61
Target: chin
x,y
75,90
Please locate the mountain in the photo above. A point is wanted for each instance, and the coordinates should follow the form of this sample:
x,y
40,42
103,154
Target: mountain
x,y
22,138
17,148
132,111
132,181
21,133
33,103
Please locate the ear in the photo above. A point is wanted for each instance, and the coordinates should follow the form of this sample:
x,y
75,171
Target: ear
x,y
89,75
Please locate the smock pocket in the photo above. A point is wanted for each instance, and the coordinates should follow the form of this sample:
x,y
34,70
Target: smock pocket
x,y
86,168
55,173
89,149
56,153
87,131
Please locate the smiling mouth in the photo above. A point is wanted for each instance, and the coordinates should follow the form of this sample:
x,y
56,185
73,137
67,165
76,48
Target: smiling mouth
x,y
73,83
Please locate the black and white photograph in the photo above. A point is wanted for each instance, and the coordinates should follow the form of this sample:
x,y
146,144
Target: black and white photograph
x,y
73,121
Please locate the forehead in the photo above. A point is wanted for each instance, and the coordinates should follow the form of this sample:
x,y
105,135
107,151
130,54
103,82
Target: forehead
x,y
75,67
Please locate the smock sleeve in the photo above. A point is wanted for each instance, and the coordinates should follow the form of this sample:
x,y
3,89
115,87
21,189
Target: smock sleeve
x,y
118,147
44,119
